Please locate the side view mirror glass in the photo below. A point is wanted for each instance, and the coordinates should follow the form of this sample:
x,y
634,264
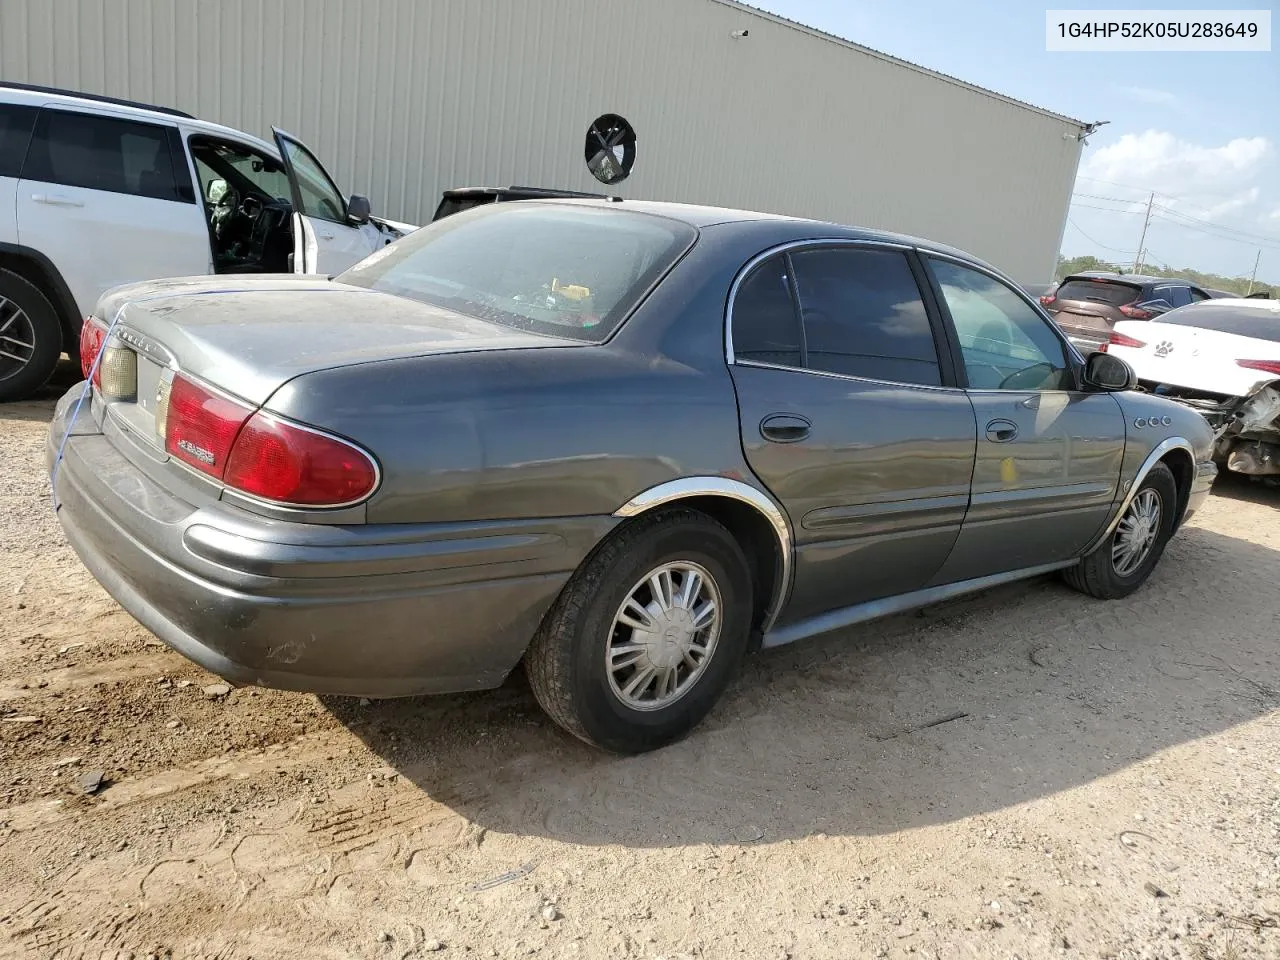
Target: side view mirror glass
x,y
358,210
216,191
1104,372
1156,306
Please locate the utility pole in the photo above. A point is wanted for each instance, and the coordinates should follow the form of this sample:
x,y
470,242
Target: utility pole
x,y
1255,273
1137,257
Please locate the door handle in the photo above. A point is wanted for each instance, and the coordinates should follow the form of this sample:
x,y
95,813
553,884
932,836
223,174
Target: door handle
x,y
1002,431
784,428
56,200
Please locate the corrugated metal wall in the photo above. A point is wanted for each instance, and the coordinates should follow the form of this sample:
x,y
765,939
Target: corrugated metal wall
x,y
403,98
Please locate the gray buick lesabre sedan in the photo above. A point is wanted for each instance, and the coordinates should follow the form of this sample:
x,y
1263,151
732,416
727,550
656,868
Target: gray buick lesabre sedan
x,y
623,442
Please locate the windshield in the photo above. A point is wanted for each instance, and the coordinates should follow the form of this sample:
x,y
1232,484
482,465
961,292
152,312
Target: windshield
x,y
555,269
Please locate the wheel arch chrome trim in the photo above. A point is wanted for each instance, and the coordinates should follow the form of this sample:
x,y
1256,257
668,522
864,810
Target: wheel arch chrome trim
x,y
685,488
1158,453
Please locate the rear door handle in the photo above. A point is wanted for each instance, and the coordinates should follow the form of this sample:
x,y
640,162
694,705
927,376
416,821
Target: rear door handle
x,y
1002,431
784,428
57,200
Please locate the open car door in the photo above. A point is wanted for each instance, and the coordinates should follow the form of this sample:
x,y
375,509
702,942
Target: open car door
x,y
329,234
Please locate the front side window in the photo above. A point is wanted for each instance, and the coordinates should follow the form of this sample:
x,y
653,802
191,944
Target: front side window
x,y
318,196
863,315
1176,294
1005,344
549,268
102,153
766,328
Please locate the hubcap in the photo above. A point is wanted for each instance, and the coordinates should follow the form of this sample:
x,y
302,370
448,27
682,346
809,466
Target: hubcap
x,y
663,635
1136,534
17,338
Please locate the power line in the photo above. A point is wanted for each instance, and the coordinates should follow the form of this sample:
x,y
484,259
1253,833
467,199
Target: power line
x,y
1130,186
1086,206
1220,236
1097,243
1221,226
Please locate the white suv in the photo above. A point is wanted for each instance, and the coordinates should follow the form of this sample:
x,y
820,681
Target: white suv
x,y
97,192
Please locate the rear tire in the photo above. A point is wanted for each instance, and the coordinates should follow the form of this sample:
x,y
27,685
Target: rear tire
x,y
30,337
1121,563
622,663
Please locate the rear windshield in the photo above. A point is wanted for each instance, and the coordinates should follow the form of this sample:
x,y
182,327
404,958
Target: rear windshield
x,y
1259,323
547,268
1099,291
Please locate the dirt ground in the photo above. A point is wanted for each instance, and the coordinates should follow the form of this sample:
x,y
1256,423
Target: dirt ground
x,y
1106,783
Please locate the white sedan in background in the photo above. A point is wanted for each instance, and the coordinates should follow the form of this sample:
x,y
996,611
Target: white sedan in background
x,y
1221,357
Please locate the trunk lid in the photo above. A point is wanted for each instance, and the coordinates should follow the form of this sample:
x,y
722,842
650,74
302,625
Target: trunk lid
x,y
250,335
1191,357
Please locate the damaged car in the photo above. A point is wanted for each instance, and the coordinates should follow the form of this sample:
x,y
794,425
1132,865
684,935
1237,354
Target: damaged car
x,y
1221,358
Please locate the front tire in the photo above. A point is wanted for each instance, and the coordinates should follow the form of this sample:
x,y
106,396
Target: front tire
x,y
1125,559
30,337
647,634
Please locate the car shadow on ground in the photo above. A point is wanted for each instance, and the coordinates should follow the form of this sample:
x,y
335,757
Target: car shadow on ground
x,y
927,717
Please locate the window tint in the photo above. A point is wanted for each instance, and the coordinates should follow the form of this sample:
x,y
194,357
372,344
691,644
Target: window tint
x,y
766,327
319,197
1098,291
102,153
1259,322
550,268
1005,344
863,315
1198,295
1176,294
15,133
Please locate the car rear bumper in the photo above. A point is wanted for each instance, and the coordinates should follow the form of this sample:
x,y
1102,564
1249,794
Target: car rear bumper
x,y
377,610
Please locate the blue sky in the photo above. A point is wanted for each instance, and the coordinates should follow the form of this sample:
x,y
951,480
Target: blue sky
x,y
1200,129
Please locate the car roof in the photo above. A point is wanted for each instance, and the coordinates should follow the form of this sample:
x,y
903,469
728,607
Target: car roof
x,y
1134,279
37,96
701,216
1232,303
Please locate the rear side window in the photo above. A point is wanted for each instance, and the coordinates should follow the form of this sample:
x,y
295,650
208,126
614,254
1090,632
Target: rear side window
x,y
15,134
863,315
766,328
1099,291
1260,323
1176,294
102,153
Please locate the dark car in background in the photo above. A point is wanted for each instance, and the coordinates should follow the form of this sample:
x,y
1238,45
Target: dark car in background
x,y
1087,306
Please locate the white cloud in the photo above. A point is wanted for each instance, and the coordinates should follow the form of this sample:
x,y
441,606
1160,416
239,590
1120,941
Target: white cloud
x,y
1212,182
1275,214
1149,95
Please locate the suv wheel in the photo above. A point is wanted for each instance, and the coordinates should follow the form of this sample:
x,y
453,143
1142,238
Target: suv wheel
x,y
30,337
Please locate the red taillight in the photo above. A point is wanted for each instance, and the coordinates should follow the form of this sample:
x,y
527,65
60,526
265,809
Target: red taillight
x,y
201,426
288,464
1048,299
1135,313
1266,366
92,336
1120,340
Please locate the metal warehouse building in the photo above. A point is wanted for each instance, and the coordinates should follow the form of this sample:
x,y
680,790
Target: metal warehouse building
x,y
405,98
